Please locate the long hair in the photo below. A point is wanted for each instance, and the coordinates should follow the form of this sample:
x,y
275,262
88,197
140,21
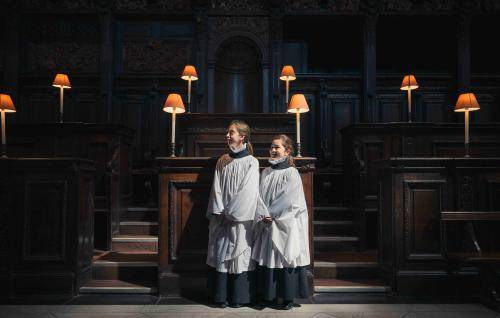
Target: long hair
x,y
288,144
244,130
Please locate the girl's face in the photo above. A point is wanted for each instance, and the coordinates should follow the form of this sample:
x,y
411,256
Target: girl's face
x,y
233,137
277,149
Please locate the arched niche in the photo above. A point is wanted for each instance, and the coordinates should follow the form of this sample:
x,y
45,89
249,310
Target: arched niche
x,y
238,77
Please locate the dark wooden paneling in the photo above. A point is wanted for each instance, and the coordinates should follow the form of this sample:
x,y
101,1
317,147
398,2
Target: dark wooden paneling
x,y
365,143
44,220
422,209
108,145
413,194
50,226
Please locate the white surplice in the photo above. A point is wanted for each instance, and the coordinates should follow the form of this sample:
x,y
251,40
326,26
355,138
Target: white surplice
x,y
231,211
285,241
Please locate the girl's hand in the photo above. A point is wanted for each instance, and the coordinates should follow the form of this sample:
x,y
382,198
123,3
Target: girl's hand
x,y
267,219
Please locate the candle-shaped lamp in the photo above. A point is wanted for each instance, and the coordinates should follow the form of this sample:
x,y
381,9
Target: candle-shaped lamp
x,y
189,74
298,105
287,75
173,105
409,83
61,81
6,106
466,103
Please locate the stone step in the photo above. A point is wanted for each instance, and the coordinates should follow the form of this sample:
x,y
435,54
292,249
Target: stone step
x,y
118,287
148,214
139,227
135,243
335,243
331,213
343,227
350,286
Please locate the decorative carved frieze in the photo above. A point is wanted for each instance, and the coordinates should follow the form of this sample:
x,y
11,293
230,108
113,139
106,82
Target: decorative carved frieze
x,y
239,5
59,56
58,4
146,5
155,56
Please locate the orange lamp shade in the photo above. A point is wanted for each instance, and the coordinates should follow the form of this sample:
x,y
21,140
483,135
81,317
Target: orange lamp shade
x,y
189,73
61,80
174,104
409,83
287,73
467,101
6,104
298,104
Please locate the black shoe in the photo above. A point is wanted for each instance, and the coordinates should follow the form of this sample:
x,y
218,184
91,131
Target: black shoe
x,y
236,305
287,305
221,304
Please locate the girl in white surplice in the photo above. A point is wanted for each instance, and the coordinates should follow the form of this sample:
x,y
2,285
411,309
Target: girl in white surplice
x,y
231,211
281,247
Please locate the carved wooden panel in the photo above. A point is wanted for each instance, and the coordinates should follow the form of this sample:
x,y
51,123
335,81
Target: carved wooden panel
x,y
390,108
155,47
86,223
71,44
434,107
339,112
5,212
422,211
372,151
45,213
492,202
188,226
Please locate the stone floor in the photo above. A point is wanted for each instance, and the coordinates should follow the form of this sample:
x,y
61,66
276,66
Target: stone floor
x,y
198,310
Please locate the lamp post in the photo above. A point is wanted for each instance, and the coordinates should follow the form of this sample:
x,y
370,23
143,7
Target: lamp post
x,y
466,103
6,106
298,105
409,83
287,75
189,74
174,105
61,81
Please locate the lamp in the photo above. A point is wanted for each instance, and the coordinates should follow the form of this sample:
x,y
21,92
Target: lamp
x,y
6,106
409,83
297,105
189,74
287,75
61,81
173,105
466,103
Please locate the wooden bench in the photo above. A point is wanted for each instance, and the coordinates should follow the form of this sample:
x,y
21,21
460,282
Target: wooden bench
x,y
486,262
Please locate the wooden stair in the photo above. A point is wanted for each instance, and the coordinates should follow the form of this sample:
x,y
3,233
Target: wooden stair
x,y
339,265
131,267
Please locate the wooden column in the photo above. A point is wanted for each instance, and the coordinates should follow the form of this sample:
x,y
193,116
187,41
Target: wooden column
x,y
369,68
463,52
106,63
